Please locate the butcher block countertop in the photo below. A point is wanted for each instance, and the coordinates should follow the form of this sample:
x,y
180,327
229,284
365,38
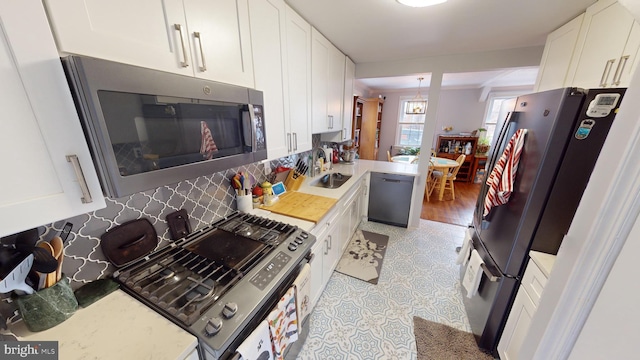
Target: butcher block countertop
x,y
115,327
302,206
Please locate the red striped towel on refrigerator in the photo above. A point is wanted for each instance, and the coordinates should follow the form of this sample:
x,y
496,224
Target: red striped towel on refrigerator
x,y
503,175
207,145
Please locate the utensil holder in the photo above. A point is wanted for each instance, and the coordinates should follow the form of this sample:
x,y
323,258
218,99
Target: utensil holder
x,y
48,307
245,203
292,183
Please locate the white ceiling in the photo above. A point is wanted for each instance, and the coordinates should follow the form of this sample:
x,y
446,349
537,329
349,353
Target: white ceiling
x,y
384,30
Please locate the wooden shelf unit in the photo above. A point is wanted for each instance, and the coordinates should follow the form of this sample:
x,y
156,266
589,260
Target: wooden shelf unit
x,y
452,146
358,105
370,128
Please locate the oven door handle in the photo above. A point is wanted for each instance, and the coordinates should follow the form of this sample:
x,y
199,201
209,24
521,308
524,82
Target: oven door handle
x,y
236,356
310,258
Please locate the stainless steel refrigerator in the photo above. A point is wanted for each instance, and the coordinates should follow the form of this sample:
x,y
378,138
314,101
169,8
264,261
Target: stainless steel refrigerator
x,y
566,130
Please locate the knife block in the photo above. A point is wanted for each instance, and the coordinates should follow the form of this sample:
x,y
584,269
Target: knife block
x,y
292,183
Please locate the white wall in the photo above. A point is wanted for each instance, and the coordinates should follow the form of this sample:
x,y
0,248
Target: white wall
x,y
613,323
460,108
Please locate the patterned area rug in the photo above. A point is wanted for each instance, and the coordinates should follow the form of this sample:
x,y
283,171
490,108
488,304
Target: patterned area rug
x,y
364,255
438,341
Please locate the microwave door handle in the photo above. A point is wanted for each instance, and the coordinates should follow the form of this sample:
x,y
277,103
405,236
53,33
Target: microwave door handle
x,y
249,126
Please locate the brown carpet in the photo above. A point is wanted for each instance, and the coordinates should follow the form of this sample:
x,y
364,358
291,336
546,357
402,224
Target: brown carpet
x,y
441,342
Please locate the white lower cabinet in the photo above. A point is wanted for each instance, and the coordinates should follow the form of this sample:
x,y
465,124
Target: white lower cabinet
x,y
332,235
522,311
326,253
48,174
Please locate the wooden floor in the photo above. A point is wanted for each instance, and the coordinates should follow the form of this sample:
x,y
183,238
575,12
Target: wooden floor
x,y
458,211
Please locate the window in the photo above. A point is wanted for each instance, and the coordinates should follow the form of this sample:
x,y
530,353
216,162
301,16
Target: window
x,y
494,113
411,117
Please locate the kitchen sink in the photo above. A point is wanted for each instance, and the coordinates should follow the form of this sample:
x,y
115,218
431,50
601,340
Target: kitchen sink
x,y
332,180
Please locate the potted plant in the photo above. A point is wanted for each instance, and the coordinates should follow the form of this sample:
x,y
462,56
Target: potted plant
x,y
483,143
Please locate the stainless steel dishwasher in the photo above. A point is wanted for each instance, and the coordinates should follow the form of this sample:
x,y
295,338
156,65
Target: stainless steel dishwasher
x,y
390,198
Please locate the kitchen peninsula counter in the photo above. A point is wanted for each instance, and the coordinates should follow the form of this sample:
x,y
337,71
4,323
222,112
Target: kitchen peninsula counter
x,y
358,170
115,327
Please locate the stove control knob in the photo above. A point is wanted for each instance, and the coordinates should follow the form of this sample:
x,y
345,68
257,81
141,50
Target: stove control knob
x,y
304,235
299,241
213,326
293,246
230,309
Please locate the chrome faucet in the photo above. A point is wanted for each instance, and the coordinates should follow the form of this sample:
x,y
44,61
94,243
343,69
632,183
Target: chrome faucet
x,y
314,169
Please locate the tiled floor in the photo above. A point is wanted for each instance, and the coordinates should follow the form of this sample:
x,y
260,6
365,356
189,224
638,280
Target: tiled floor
x,y
358,320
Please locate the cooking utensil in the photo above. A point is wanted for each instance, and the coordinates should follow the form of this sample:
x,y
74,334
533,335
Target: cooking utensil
x,y
129,241
64,234
58,254
23,241
15,279
43,260
50,277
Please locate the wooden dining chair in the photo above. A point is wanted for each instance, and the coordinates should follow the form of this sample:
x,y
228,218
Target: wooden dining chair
x,y
389,156
450,176
428,188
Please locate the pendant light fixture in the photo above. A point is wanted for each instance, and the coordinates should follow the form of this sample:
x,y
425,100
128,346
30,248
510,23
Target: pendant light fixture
x,y
417,105
420,3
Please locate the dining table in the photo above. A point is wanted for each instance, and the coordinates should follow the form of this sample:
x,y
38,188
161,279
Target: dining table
x,y
444,165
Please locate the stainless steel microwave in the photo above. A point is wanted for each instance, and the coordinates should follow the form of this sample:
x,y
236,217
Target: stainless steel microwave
x,y
148,128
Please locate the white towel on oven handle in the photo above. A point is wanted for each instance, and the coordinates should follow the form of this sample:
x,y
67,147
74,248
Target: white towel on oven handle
x,y
473,274
257,346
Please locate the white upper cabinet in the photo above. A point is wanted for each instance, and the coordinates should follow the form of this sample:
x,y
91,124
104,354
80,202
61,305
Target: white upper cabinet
x,y
220,40
327,80
298,58
268,25
287,113
557,54
192,37
602,57
40,128
347,105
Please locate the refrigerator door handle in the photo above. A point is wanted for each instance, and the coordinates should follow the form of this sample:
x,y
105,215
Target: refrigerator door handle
x,y
489,274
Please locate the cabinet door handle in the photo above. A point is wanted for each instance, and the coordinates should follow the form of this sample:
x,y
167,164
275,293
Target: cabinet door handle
x,y
606,72
295,141
330,242
326,248
620,69
196,34
86,195
344,133
184,63
289,142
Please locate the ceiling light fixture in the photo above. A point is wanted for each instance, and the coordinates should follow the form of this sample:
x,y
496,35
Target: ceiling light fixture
x,y
417,105
420,3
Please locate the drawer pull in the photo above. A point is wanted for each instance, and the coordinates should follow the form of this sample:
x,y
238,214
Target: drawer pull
x,y
489,274
606,72
620,69
196,34
86,194
184,63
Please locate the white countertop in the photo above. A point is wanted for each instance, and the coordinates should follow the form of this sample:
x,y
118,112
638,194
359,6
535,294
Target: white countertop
x,y
544,261
115,327
359,169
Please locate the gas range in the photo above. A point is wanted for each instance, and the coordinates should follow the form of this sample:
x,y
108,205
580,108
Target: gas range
x,y
221,281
